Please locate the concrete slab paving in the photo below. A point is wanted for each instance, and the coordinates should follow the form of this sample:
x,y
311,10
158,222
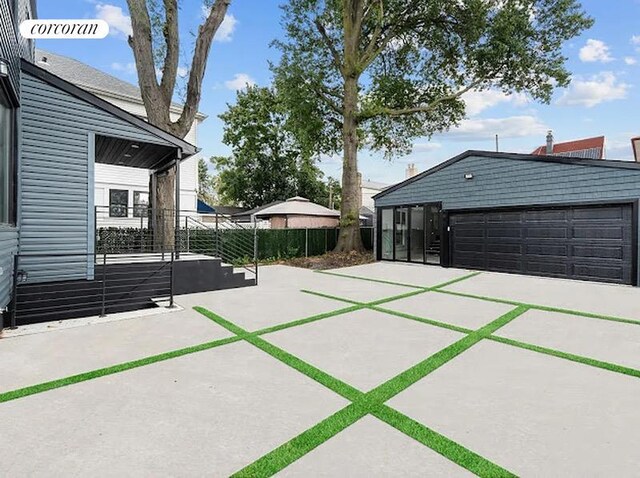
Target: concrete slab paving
x,y
461,311
371,448
33,359
205,414
255,308
613,342
415,274
533,414
604,299
363,348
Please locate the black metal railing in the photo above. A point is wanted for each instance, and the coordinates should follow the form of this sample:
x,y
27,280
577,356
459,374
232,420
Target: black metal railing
x,y
67,285
129,230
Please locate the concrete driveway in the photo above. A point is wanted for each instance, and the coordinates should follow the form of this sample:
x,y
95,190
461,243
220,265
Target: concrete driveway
x,y
376,370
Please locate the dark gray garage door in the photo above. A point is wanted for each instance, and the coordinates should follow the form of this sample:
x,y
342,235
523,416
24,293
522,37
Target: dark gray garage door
x,y
590,243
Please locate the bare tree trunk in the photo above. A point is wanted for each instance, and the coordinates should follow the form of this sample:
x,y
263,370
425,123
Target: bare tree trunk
x,y
164,234
350,239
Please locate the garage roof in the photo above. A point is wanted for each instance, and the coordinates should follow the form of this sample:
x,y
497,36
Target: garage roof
x,y
600,163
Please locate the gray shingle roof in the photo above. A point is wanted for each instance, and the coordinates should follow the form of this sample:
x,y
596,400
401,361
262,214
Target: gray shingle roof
x,y
88,77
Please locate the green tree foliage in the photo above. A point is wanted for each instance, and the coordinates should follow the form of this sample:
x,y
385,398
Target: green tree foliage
x,y
379,73
268,162
206,183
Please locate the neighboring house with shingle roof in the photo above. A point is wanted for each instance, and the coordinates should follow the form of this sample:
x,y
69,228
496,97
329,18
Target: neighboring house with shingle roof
x,y
112,181
588,148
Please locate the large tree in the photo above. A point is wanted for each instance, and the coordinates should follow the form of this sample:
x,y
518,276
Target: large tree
x,y
156,48
269,162
380,73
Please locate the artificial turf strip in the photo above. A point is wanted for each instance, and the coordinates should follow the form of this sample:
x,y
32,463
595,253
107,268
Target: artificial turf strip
x,y
545,308
368,279
370,402
296,448
332,383
567,356
439,288
440,444
424,320
404,380
83,377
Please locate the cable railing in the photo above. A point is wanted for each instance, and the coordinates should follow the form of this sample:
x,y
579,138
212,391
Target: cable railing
x,y
139,229
62,286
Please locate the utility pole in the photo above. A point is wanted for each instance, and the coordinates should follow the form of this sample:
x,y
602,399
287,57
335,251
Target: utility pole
x,y
330,195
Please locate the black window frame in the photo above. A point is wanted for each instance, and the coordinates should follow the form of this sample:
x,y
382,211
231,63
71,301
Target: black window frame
x,y
12,168
112,206
139,210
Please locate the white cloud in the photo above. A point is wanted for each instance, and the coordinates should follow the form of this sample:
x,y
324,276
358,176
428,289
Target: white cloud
x,y
478,101
509,127
425,147
128,68
182,71
629,60
595,50
635,40
592,91
239,82
226,28
119,23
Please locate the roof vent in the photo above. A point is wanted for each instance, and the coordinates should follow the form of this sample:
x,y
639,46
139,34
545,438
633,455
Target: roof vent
x,y
43,61
298,199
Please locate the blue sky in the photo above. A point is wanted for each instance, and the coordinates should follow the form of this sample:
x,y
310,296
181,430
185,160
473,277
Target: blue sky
x,y
603,98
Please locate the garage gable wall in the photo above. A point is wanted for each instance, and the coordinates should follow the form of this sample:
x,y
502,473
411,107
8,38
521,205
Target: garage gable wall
x,y
508,182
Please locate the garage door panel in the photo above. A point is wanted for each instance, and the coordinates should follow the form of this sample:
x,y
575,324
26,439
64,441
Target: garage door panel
x,y
551,268
591,243
545,215
599,231
557,250
547,232
600,252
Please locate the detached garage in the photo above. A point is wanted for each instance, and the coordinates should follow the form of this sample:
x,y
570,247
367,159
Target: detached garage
x,y
536,215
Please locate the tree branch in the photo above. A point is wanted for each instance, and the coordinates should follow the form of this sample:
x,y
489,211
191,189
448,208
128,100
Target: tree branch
x,y
324,95
206,32
394,112
337,61
172,42
142,45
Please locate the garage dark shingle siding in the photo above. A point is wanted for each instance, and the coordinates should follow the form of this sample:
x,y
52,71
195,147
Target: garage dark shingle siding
x,y
521,182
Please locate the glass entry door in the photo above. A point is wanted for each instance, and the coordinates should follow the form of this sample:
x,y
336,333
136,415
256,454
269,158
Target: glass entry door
x,y
401,234
417,236
433,240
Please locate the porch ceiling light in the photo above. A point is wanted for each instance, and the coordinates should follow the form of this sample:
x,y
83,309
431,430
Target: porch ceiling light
x,y
468,176
135,146
4,68
127,155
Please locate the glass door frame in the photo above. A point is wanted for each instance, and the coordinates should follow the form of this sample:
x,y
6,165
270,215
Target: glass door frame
x,y
444,228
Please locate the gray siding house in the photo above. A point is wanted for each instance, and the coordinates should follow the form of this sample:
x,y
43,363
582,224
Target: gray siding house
x,y
53,134
12,48
537,215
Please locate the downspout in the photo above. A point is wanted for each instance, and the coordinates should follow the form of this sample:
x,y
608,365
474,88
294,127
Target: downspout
x,y
177,215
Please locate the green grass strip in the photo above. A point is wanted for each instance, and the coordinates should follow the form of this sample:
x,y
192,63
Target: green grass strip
x,y
545,308
294,449
313,318
365,403
83,377
366,304
332,383
368,279
442,325
441,444
439,288
567,356
400,382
